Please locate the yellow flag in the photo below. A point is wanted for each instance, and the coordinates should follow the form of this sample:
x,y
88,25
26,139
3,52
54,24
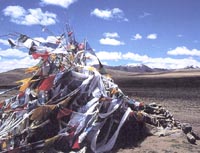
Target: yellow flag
x,y
25,84
90,68
4,145
31,69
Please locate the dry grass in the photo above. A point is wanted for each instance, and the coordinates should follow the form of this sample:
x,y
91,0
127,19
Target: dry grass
x,y
7,79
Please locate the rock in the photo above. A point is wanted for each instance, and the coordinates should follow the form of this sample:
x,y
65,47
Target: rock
x,y
197,137
151,130
186,127
191,138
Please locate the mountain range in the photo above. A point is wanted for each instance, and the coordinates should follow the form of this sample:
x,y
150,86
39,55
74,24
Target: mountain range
x,y
135,68
8,78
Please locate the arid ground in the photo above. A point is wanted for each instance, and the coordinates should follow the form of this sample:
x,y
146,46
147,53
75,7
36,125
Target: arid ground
x,y
177,91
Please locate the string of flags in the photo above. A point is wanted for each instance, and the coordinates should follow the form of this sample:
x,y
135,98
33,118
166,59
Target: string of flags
x,y
70,106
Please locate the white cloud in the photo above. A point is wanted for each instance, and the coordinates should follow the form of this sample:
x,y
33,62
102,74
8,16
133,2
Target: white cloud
x,y
12,53
14,11
115,13
10,64
62,3
30,16
51,39
111,35
179,35
14,58
23,60
169,63
4,42
110,41
105,14
95,62
137,37
103,55
126,19
40,39
47,39
135,57
196,41
145,14
152,36
184,51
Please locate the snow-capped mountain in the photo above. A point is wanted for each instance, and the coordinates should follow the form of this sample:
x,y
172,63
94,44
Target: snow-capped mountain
x,y
135,68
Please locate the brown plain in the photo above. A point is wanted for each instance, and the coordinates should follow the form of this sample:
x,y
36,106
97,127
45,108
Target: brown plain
x,y
177,91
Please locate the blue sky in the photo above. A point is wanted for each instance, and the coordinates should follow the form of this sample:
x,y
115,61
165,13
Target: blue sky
x,y
157,33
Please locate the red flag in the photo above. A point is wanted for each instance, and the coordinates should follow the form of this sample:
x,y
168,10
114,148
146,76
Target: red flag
x,y
81,46
70,33
47,83
1,104
44,55
76,145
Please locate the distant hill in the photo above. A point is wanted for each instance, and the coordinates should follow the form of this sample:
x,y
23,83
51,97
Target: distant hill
x,y
7,79
191,67
135,68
